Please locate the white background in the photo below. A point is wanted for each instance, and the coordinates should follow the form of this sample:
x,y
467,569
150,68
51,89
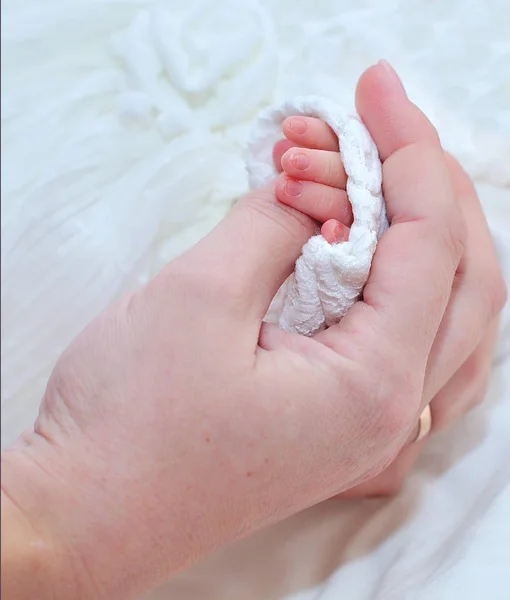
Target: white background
x,y
123,128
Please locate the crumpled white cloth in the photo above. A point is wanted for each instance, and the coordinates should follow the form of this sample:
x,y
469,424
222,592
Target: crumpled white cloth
x,y
93,189
328,278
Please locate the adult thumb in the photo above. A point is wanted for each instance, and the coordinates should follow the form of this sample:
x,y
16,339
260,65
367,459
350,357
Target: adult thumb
x,y
256,246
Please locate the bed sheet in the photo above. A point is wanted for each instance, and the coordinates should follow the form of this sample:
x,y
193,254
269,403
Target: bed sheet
x,y
123,129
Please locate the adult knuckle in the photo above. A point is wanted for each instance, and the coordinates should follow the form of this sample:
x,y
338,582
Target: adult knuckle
x,y
449,231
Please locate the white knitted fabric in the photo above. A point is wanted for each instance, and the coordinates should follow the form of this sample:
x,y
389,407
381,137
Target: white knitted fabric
x,y
328,278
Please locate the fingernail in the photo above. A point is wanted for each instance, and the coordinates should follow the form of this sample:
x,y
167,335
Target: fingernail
x,y
340,233
299,161
392,74
297,125
293,187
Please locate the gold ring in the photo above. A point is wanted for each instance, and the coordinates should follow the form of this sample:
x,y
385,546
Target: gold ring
x,y
424,424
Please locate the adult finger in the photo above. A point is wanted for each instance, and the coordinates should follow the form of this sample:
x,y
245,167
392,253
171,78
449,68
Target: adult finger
x,y
467,388
478,293
415,262
250,253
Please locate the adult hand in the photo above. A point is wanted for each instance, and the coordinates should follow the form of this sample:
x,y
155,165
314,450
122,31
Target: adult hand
x,y
177,422
460,361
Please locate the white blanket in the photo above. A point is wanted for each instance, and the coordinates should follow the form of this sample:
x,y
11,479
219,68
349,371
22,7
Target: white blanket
x,y
123,128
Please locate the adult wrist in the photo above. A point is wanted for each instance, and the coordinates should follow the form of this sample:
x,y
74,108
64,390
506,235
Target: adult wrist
x,y
27,566
33,564
88,537
37,558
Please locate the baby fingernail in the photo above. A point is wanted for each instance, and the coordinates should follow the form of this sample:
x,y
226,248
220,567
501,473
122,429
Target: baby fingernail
x,y
299,161
293,187
297,125
340,233
392,74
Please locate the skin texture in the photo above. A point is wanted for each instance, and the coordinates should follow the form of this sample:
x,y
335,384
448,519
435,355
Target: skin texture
x,y
177,421
461,359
